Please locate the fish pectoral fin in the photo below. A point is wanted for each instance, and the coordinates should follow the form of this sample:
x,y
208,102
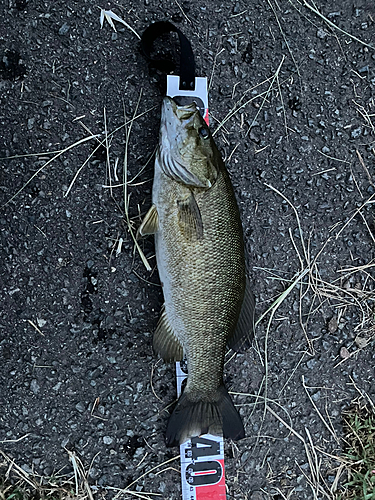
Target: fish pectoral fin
x,y
244,331
189,218
165,342
150,223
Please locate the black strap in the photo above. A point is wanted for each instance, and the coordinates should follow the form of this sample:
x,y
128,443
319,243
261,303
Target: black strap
x,y
187,63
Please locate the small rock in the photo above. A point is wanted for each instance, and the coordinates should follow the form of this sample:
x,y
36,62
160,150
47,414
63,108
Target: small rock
x,y
311,363
321,34
244,457
361,342
27,469
334,14
64,29
326,345
80,407
356,132
316,396
64,442
344,353
107,440
30,123
41,322
365,69
236,8
332,325
34,386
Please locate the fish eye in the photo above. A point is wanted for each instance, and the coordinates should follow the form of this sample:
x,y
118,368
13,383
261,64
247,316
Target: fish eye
x,y
203,132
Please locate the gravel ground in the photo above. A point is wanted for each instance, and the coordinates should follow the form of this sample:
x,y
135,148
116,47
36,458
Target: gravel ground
x,y
79,308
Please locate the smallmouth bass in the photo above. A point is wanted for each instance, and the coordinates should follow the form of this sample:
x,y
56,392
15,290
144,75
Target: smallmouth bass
x,y
201,261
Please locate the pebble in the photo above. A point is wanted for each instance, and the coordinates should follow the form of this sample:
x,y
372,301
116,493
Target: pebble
x,y
311,363
27,469
64,29
236,8
356,132
344,353
332,325
107,440
316,396
64,442
80,407
34,386
321,34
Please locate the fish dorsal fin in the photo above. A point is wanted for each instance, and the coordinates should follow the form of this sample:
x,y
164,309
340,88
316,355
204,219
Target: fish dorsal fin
x,y
150,223
189,218
165,342
244,331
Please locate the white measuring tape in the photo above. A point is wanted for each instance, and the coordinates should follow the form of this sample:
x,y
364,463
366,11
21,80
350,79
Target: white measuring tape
x,y
202,458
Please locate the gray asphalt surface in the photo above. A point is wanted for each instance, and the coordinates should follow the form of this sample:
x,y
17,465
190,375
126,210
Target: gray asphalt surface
x,y
77,370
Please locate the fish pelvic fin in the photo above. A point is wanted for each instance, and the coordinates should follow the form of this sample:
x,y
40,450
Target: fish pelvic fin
x,y
165,341
244,331
189,218
193,417
150,223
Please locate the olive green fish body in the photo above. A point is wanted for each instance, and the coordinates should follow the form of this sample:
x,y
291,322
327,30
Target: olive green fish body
x,y
203,279
201,263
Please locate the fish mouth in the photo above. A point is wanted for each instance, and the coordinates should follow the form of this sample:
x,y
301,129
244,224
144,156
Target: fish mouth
x,y
171,110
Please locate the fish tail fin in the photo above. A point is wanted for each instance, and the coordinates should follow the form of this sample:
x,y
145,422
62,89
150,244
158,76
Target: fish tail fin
x,y
194,417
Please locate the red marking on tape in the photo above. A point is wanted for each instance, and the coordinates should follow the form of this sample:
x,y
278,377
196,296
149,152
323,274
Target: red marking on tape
x,y
212,491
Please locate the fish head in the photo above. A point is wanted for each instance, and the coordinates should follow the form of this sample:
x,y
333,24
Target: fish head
x,y
186,148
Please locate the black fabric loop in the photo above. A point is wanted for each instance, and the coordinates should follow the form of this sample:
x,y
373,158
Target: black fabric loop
x,y
187,63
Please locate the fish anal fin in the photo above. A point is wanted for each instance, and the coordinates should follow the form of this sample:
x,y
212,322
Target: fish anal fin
x,y
189,218
165,342
244,331
150,223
